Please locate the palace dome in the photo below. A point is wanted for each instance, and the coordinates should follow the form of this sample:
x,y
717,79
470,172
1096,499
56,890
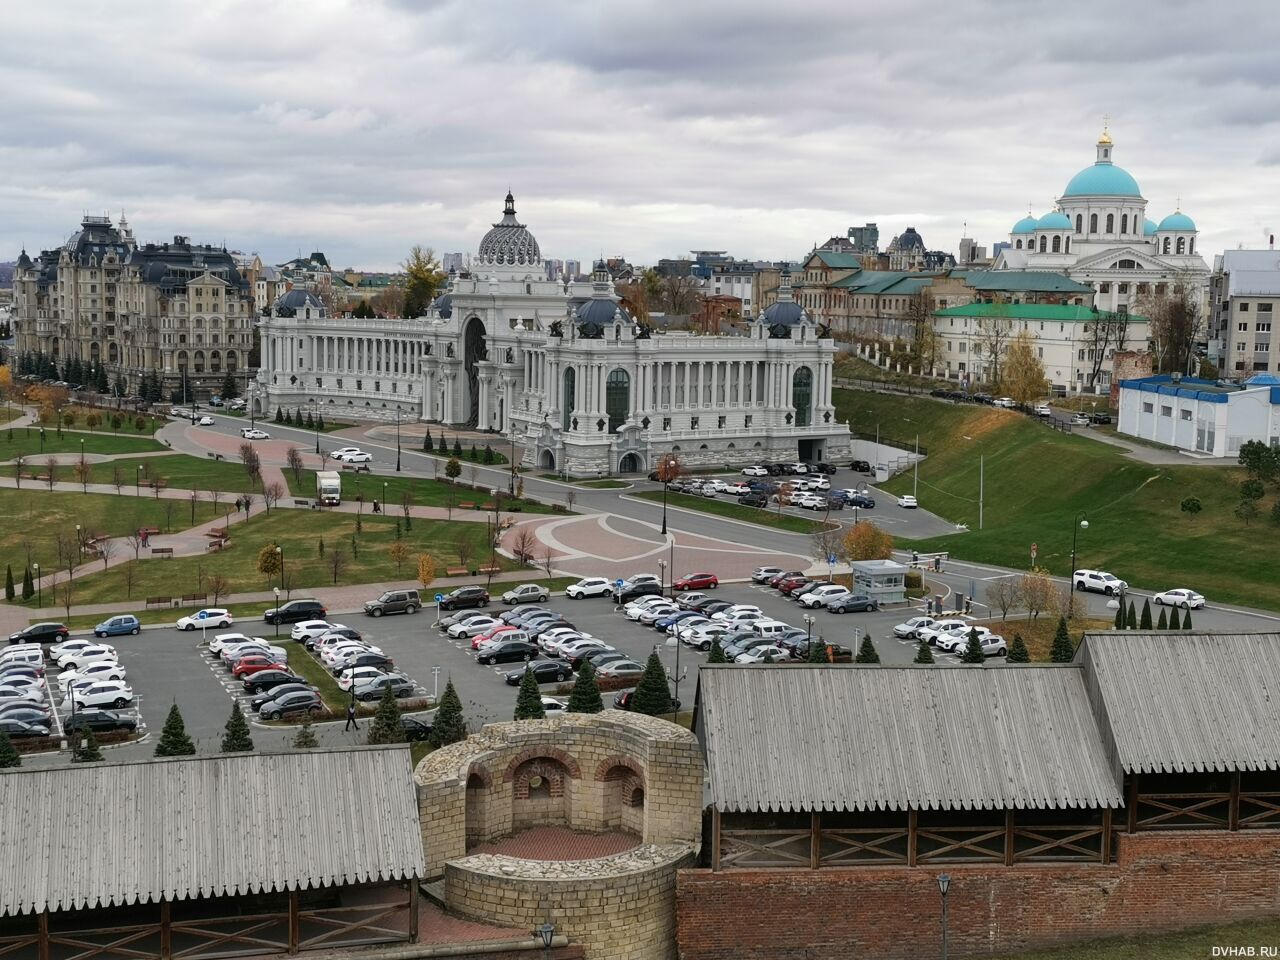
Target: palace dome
x,y
509,242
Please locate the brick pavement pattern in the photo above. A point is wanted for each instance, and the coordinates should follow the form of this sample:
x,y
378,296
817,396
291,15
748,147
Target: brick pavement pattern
x,y
558,843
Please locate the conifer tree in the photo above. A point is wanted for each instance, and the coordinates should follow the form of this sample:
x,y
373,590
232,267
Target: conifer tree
x,y
8,582
973,649
1163,622
386,726
867,652
306,737
923,653
1145,622
174,741
9,756
457,447
586,691
236,737
28,585
87,749
1119,616
1018,652
320,422
279,415
1062,650
1186,620
1175,622
1131,620
449,725
426,442
817,652
653,695
529,699
716,653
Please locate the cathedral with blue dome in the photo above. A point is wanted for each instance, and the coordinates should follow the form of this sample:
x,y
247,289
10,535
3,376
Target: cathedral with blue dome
x,y
1099,233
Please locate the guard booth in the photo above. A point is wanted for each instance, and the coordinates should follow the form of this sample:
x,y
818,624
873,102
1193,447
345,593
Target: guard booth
x,y
884,581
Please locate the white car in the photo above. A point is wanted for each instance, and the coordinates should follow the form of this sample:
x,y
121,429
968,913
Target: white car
x,y
253,433
333,656
640,578
689,622
701,638
231,656
527,593
25,682
352,455
936,629
553,707
768,653
655,613
311,629
634,608
589,587
819,482
474,627
90,654
1098,581
728,613
205,422
10,692
107,693
908,501
807,500
575,648
908,629
754,471
738,489
357,675
993,645
208,617
743,620
1044,410
102,670
1180,597
58,650
1007,402
820,596
224,640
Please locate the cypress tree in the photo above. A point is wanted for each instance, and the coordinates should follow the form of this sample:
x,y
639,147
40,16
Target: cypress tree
x,y
1175,622
320,422
444,444
1119,616
9,756
652,696
8,582
471,454
279,415
1186,620
174,741
87,749
867,652
1062,651
28,585
306,737
426,441
1145,622
386,726
529,700
1163,622
586,691
1018,652
236,737
449,725
457,447
488,454
973,649
311,421
1131,620
817,652
716,654
923,653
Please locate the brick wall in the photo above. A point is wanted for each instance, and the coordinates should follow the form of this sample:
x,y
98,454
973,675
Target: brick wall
x,y
1158,881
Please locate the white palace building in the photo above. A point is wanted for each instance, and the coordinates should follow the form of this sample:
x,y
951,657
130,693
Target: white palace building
x,y
562,368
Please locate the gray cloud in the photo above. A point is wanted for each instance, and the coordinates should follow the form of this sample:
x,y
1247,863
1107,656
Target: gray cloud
x,y
361,128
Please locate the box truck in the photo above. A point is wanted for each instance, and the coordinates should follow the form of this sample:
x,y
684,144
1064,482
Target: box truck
x,y
328,488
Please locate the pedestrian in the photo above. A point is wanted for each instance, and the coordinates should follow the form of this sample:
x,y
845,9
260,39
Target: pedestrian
x,y
351,717
146,537
915,558
937,564
376,508
968,604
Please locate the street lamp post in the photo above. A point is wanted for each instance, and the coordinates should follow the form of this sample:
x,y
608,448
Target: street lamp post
x,y
944,884
35,567
809,621
674,641
280,557
79,546
511,460
662,574
397,441
384,496
1080,524
137,485
315,419
276,591
665,476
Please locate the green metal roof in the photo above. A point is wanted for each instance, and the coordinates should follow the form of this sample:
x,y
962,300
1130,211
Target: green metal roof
x,y
1038,280
876,281
839,261
1027,311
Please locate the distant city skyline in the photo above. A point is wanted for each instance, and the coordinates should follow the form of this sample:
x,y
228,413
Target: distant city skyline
x,y
363,129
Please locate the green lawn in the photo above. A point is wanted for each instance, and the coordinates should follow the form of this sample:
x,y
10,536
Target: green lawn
x,y
735,511
35,517
464,458
1194,944
178,471
299,533
1039,481
27,445
425,492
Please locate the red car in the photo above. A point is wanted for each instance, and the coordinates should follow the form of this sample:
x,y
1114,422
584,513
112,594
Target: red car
x,y
248,665
785,584
697,581
775,582
480,638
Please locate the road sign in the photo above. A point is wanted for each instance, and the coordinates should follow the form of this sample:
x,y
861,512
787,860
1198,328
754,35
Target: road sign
x,y
439,597
618,583
1034,549
831,559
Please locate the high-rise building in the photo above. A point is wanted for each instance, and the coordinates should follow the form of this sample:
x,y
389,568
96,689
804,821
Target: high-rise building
x,y
453,261
865,239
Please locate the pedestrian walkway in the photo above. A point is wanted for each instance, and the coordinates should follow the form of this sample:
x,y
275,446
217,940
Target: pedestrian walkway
x,y
1157,456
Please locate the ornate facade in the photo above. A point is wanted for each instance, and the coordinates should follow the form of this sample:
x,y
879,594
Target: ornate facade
x,y
561,366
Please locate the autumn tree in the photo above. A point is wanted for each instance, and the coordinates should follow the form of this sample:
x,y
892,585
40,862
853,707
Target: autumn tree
x,y
252,462
1173,321
523,545
426,570
924,338
269,561
1105,334
1037,591
1023,376
398,551
1004,594
271,494
423,278
866,541
992,339
219,587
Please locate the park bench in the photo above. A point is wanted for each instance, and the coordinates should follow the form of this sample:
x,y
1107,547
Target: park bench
x,y
213,456
213,546
466,505
301,503
357,467
217,533
455,571
162,552
488,569
199,598
149,531
159,601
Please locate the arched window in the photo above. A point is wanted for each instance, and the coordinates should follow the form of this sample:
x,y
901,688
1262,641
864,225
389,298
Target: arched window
x,y
1191,245
199,361
1124,223
570,389
1182,245
1019,244
617,398
182,359
1043,244
1166,244
1057,243
215,362
1067,246
231,363
1111,222
1079,222
802,395
1093,223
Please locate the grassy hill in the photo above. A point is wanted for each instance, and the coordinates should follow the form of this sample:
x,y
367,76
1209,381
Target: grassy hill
x,y
1185,945
1038,481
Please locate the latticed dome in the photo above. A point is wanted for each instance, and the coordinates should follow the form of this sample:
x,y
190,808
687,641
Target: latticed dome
x,y
509,242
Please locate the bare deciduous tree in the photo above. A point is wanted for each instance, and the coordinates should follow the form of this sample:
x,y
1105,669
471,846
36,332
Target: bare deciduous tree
x,y
168,515
1004,594
523,544
570,499
134,540
219,587
130,574
1106,334
827,543
406,505
117,477
336,558
547,562
215,495
272,493
64,591
1174,319
992,339
194,497
252,462
106,550
294,460
51,469
1037,592
463,549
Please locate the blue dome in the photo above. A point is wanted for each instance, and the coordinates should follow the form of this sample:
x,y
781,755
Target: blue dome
x,y
1053,220
1149,228
1177,221
1026,225
1102,180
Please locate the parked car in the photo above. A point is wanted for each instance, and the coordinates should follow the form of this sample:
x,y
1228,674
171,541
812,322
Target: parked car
x,y
105,693
696,581
767,653
279,691
475,626
629,590
101,670
205,421
269,680
860,466
527,593
352,455
244,666
544,671
589,587
415,730
758,500
56,652
851,603
1180,597
394,601
364,658
291,701
908,630
1100,417
43,633
22,729
762,574
346,679
956,641
117,626
465,597
253,433
208,617
908,501
622,668
507,651
1098,581
755,471
818,596
86,655
311,629
95,719
623,698
1044,410
932,633
1007,402
294,611
400,685
26,711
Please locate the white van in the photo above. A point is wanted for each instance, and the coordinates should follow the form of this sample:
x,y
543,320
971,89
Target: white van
x,y
23,653
770,628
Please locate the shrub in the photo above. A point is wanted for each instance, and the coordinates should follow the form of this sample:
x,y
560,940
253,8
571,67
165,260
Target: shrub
x,y
1018,651
913,580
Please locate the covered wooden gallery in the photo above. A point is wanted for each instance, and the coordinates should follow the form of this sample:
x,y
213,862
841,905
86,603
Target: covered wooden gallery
x,y
210,856
815,766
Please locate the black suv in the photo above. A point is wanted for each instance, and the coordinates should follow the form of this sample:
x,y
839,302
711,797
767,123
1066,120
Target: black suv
x,y
45,633
861,466
295,611
465,597
754,499
1100,418
630,591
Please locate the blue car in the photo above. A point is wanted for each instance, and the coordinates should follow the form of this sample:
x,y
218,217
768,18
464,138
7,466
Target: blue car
x,y
115,626
664,622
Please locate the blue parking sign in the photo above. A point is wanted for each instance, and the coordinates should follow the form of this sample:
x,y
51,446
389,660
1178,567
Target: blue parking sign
x,y
439,597
618,583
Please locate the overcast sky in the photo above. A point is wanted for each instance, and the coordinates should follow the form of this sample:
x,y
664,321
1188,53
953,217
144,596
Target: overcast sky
x,y
643,129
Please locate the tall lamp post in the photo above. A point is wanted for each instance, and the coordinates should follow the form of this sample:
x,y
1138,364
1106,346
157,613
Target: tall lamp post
x,y
397,441
79,545
276,591
664,474
511,460
315,419
280,557
982,477
944,884
662,574
35,567
674,641
809,621
1080,524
